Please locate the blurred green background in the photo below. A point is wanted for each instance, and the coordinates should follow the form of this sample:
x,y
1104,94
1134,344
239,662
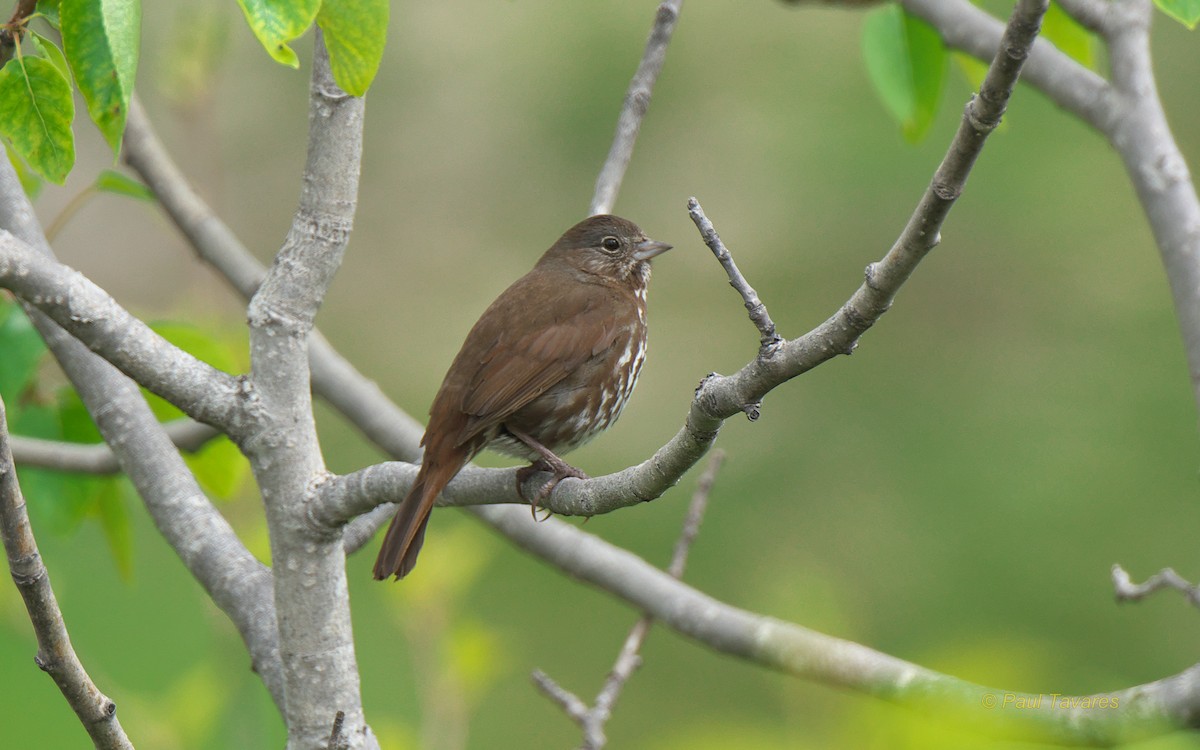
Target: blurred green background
x,y
954,493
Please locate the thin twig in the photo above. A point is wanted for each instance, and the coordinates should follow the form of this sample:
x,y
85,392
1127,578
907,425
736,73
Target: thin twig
x,y
637,101
55,655
1128,591
11,33
592,720
769,340
98,458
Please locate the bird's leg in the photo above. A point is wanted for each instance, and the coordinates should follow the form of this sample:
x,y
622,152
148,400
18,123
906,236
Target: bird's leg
x,y
559,468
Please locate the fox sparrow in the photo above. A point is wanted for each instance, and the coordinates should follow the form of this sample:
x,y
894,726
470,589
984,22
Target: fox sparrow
x,y
548,366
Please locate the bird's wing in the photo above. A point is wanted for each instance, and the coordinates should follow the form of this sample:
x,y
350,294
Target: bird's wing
x,y
514,367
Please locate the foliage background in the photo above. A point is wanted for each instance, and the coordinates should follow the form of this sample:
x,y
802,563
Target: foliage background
x,y
954,493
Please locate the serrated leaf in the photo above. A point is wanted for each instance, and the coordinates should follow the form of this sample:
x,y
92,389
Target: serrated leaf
x,y
51,52
111,181
1187,12
38,109
101,40
355,34
906,62
277,22
1065,33
31,183
23,349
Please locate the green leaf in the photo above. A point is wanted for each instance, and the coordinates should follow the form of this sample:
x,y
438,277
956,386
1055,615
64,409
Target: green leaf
x,y
38,109
1065,33
906,62
30,182
972,69
219,466
1187,12
109,497
277,22
355,33
52,53
101,40
23,349
111,181
49,10
61,501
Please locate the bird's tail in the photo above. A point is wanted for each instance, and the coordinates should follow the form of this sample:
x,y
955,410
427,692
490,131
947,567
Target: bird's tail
x,y
404,537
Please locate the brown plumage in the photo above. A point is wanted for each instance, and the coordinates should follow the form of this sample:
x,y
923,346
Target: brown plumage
x,y
548,365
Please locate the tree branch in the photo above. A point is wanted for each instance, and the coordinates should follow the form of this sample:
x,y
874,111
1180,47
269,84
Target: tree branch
x,y
769,340
592,720
55,654
1127,591
333,377
98,458
1128,112
312,605
89,314
237,583
1101,719
637,102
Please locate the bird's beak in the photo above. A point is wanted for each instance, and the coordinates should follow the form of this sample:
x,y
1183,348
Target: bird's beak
x,y
647,249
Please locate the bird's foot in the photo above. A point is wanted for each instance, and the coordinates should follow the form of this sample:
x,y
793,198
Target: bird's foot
x,y
559,470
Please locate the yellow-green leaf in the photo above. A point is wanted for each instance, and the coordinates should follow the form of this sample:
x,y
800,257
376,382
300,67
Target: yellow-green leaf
x,y
101,41
51,52
355,34
38,109
111,181
31,183
1187,12
277,22
1065,33
906,62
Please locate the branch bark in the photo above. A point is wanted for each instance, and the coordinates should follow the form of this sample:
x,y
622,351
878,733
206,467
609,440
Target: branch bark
x,y
98,458
55,655
316,640
637,102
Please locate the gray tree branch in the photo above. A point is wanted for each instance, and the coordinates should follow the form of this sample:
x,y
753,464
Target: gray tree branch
x,y
89,314
312,608
637,102
98,458
237,583
55,655
1127,111
593,719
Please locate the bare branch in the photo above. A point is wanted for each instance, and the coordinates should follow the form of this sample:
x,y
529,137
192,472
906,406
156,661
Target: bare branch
x,y
333,378
769,340
629,658
89,314
212,240
312,608
1127,591
637,101
237,583
1101,719
186,434
570,703
55,654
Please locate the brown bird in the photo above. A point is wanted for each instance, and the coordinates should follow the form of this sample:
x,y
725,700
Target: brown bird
x,y
549,365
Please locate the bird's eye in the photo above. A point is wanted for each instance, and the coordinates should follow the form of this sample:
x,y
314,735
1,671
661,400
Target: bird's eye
x,y
611,244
